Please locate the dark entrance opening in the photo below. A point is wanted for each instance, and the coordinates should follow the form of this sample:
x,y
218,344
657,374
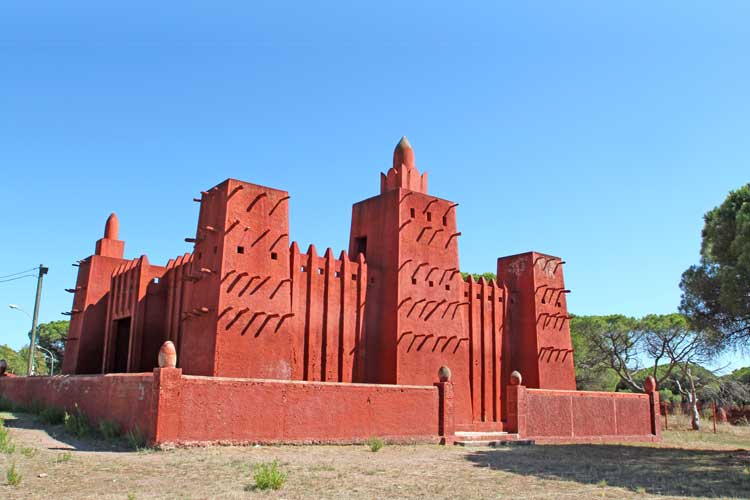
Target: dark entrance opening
x,y
122,343
360,247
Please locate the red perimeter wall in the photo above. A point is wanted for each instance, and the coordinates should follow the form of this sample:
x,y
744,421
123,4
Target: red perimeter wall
x,y
124,398
169,407
553,415
247,410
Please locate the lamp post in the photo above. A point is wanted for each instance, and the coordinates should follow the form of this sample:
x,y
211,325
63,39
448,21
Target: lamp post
x,y
51,359
42,271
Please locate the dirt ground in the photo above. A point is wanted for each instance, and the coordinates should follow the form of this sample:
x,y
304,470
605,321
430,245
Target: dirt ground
x,y
686,465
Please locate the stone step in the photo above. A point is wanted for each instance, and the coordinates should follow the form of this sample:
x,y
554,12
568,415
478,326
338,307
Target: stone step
x,y
494,443
481,435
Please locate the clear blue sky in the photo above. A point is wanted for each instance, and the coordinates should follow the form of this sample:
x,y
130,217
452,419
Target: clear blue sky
x,y
597,131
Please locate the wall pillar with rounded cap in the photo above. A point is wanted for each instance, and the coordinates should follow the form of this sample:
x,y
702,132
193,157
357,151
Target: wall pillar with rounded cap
x,y
446,415
516,406
651,389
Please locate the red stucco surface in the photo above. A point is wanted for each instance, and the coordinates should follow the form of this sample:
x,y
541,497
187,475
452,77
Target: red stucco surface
x,y
127,399
248,303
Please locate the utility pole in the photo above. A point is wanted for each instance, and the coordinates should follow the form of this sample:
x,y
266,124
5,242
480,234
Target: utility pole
x,y
42,271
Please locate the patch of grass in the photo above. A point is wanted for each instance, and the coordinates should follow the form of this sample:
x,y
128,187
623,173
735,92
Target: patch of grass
x,y
375,444
12,477
135,439
51,416
6,445
602,483
77,424
109,430
131,496
640,490
64,457
267,476
28,452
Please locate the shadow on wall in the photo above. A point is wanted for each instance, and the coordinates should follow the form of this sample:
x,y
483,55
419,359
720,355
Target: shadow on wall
x,y
658,471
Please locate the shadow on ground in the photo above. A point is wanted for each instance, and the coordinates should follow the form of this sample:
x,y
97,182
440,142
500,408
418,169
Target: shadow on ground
x,y
659,471
54,437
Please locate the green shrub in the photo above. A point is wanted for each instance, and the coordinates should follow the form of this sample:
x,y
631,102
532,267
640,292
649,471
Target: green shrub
x,y
28,452
51,416
268,476
6,446
35,407
109,430
12,477
64,457
375,444
135,438
76,423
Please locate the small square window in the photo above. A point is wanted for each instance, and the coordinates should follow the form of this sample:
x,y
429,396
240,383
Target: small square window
x,y
447,287
431,283
499,299
372,280
445,220
156,281
479,296
413,213
320,270
240,249
303,269
429,216
274,256
216,248
354,277
338,274
466,294
414,281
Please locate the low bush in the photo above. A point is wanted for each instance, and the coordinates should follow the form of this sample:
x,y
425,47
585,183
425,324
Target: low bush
x,y
77,424
51,416
135,439
12,477
109,430
268,476
6,445
375,444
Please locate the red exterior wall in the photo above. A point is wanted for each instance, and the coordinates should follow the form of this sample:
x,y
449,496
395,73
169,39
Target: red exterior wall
x,y
169,407
243,410
551,415
127,399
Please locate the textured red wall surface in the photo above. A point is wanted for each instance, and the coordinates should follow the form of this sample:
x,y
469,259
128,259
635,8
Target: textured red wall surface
x,y
127,399
242,410
169,407
585,416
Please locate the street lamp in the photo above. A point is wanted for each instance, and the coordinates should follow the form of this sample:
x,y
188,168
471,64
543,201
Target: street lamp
x,y
18,308
51,358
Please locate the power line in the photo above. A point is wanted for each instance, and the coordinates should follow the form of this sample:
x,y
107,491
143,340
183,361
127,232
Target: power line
x,y
19,277
20,272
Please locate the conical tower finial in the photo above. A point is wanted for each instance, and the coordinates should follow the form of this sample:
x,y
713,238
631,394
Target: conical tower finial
x,y
403,154
112,227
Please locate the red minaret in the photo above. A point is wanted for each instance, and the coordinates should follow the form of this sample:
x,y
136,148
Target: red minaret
x,y
110,246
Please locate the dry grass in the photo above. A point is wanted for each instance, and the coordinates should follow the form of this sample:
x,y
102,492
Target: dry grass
x,y
687,464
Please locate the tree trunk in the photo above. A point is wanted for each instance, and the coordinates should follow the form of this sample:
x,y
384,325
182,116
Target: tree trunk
x,y
695,418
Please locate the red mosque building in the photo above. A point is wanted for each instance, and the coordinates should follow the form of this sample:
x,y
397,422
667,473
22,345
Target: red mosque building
x,y
362,334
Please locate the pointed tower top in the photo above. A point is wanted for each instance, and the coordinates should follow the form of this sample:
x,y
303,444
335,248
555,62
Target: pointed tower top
x,y
403,143
112,227
403,155
403,174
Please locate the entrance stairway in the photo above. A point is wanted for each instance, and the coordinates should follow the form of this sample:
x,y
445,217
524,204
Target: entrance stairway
x,y
494,439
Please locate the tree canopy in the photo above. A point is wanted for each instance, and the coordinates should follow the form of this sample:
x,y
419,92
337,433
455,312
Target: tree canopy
x,y
716,292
